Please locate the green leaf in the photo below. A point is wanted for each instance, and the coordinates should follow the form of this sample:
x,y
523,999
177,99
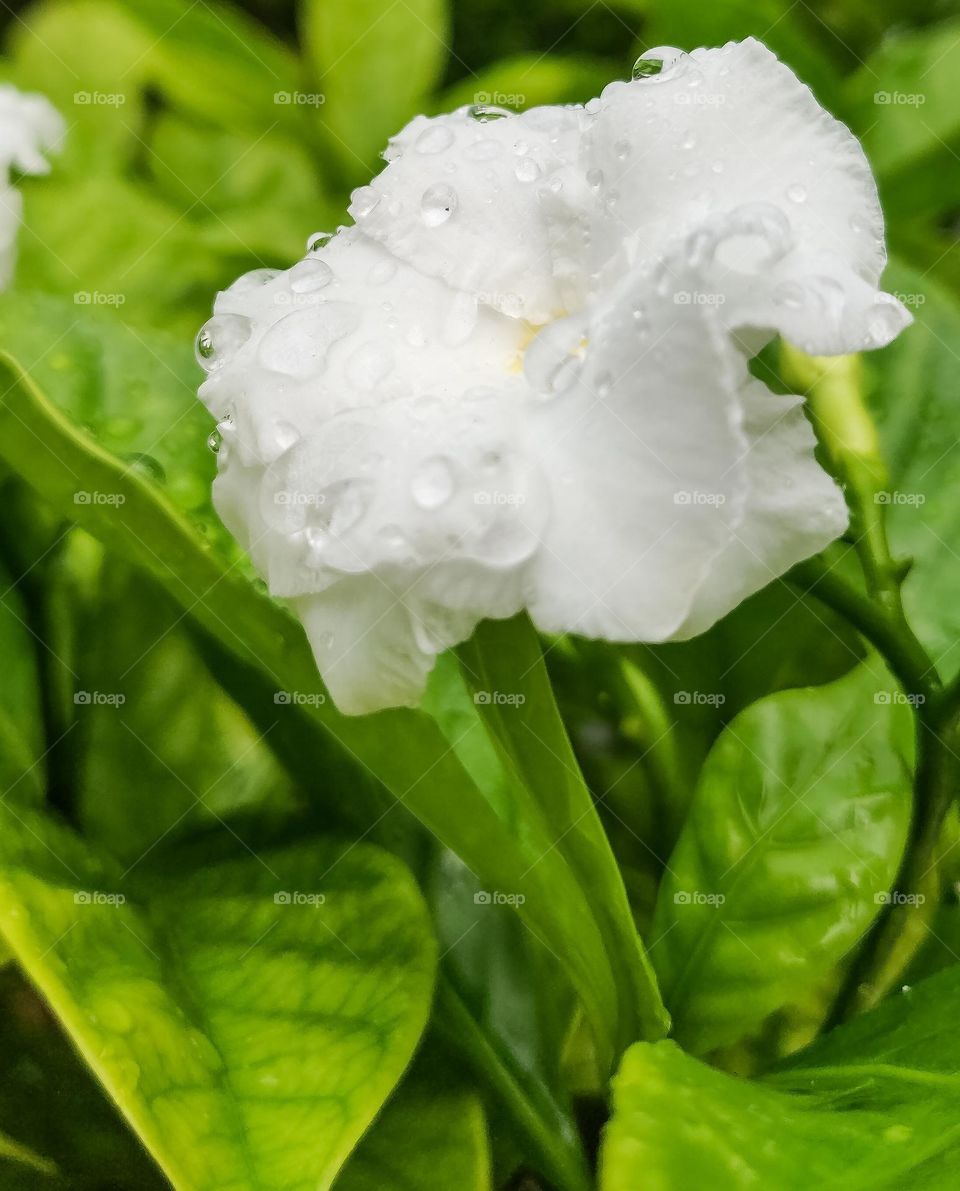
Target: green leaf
x,y
903,101
912,394
514,698
678,1123
778,23
149,706
404,750
795,830
427,1136
248,1012
528,80
21,711
374,61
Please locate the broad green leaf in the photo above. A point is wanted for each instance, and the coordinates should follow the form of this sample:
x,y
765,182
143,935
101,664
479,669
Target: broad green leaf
x,y
428,1135
216,61
512,693
913,396
790,31
110,244
21,710
248,1011
488,828
51,1102
374,61
148,706
529,80
678,1123
904,104
793,837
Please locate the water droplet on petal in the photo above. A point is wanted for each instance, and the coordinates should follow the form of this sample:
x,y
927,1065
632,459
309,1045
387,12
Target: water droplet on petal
x,y
319,240
595,178
527,170
796,193
484,113
434,139
363,201
382,271
622,149
297,344
253,280
219,338
437,204
309,276
645,67
433,483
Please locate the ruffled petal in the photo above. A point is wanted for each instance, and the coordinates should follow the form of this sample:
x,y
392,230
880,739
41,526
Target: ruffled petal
x,y
718,129
680,484
640,439
347,327
792,510
493,206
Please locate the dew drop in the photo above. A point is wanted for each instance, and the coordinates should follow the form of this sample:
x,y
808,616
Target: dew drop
x,y
253,280
363,201
433,483
595,178
309,276
484,150
484,113
319,240
434,139
381,272
219,338
437,204
622,149
645,67
527,170
796,193
297,344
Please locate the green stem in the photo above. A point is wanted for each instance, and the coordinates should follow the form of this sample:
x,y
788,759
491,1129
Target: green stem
x,y
541,1122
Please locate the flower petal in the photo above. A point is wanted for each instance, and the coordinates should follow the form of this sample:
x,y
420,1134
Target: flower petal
x,y
718,129
641,444
483,203
793,508
348,327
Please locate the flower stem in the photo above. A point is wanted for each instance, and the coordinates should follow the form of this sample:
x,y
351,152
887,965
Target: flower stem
x,y
847,433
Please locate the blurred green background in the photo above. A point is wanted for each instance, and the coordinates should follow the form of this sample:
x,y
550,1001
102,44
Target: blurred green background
x,y
208,139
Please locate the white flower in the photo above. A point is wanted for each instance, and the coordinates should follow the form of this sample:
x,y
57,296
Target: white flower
x,y
29,126
521,379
